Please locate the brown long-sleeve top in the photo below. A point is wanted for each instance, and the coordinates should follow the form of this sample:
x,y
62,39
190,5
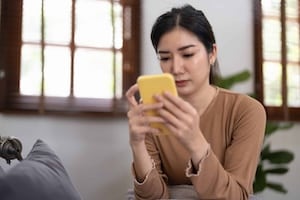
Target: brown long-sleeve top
x,y
234,126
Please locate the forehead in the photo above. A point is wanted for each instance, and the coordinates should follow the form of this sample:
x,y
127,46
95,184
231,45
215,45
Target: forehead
x,y
177,38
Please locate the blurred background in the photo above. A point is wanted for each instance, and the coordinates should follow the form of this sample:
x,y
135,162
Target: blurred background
x,y
95,150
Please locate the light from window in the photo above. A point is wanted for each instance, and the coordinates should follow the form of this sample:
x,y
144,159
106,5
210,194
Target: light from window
x,y
293,53
64,44
281,52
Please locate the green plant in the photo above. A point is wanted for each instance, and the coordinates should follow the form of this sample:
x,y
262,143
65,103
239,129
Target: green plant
x,y
228,81
271,161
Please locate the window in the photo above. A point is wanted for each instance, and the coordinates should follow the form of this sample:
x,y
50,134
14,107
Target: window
x,y
277,57
68,56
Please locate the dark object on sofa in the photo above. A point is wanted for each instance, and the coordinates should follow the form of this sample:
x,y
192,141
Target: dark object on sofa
x,y
40,176
10,148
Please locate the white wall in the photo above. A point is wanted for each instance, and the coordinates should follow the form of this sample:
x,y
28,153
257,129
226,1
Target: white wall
x,y
95,151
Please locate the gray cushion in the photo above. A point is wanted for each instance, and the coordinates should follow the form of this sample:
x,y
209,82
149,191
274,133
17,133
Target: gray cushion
x,y
40,176
1,171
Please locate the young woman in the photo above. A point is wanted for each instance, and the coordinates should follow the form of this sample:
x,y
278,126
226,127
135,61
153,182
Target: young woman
x,y
216,134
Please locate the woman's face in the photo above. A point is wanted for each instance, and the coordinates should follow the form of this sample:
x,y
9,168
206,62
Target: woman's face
x,y
184,56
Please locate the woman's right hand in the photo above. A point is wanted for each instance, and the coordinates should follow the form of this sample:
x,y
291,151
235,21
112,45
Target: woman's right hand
x,y
139,121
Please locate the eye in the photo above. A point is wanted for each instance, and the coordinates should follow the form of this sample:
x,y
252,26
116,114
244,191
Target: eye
x,y
164,59
188,55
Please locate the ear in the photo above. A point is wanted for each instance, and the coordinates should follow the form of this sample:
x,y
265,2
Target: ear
x,y
213,55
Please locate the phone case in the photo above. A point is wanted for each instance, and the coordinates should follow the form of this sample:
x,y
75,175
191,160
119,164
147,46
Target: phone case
x,y
156,84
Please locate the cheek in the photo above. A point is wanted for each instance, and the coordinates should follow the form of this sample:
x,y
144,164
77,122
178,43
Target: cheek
x,y
165,68
200,64
200,68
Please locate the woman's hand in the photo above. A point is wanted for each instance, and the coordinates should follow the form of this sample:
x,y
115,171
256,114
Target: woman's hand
x,y
183,120
139,126
139,121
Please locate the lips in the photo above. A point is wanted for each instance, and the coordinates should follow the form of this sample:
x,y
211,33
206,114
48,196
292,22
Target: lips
x,y
181,83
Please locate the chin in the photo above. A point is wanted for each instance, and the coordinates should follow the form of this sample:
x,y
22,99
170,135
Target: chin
x,y
184,92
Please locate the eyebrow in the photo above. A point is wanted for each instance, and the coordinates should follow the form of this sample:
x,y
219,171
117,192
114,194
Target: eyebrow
x,y
179,49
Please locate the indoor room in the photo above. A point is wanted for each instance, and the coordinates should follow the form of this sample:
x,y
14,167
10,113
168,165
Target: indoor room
x,y
52,88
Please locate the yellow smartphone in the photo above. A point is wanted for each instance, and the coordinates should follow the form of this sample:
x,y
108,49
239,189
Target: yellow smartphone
x,y
156,84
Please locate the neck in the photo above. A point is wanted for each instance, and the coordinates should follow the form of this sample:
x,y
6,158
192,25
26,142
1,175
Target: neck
x,y
201,100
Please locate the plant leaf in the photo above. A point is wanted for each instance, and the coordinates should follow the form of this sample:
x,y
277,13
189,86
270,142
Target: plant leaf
x,y
277,187
265,151
280,170
272,127
229,81
260,180
279,157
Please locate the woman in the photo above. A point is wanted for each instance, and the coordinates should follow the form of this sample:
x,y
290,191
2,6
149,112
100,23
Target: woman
x,y
216,134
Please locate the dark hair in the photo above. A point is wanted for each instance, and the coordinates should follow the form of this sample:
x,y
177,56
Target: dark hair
x,y
190,19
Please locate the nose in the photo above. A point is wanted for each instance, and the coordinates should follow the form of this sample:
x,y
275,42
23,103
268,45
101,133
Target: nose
x,y
177,65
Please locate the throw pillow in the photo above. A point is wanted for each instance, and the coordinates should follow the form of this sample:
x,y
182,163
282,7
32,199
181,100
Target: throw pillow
x,y
40,176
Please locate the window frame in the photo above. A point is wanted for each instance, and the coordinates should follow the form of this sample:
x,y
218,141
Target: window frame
x,y
10,52
276,113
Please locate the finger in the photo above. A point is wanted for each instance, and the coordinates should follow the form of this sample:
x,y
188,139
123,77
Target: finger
x,y
179,115
177,101
170,106
145,113
142,125
145,130
170,119
178,106
130,95
152,106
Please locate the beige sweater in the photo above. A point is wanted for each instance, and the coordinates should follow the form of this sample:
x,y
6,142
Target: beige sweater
x,y
234,126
